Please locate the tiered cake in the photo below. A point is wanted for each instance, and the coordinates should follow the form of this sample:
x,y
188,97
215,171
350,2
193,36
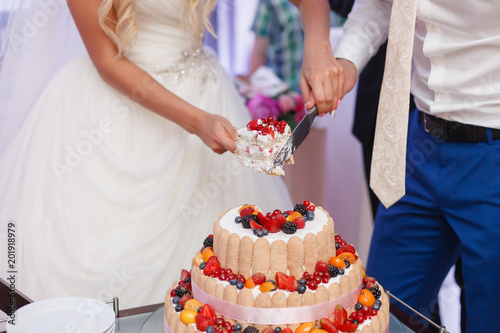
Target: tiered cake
x,y
276,272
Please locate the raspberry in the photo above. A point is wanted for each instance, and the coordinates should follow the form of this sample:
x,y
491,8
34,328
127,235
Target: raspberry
x,y
299,221
251,329
301,208
321,267
208,242
289,228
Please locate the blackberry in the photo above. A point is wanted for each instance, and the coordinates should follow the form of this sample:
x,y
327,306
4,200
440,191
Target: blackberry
x,y
245,222
181,291
209,241
376,292
289,228
301,208
333,270
251,329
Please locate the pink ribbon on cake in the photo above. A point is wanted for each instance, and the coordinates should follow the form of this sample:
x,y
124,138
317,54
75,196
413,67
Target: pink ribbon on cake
x,y
275,316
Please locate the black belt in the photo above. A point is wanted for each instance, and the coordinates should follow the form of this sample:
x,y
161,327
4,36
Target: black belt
x,y
458,132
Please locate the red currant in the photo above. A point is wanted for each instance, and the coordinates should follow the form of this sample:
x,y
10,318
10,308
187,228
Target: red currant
x,y
219,321
312,285
228,271
325,279
172,293
316,274
373,312
222,276
317,279
353,315
311,208
306,203
241,278
227,325
306,276
277,211
270,120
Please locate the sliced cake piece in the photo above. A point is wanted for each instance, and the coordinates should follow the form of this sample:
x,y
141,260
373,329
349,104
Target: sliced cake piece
x,y
259,142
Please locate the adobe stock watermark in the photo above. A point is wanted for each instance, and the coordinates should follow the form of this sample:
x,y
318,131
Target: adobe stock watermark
x,y
117,283
220,180
92,138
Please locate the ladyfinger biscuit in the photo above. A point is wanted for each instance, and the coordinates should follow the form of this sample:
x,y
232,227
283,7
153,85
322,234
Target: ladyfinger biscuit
x,y
279,300
203,281
278,258
308,298
345,286
383,317
294,300
230,294
263,300
219,291
172,320
321,295
311,252
210,286
245,256
180,327
222,255
261,258
367,329
322,246
217,231
195,274
233,252
295,249
169,309
376,324
190,329
245,297
330,239
333,291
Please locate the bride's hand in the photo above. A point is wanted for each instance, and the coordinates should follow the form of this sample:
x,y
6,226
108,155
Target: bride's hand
x,y
217,133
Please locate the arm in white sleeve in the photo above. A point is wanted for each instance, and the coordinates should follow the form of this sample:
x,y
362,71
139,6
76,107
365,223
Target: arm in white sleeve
x,y
365,30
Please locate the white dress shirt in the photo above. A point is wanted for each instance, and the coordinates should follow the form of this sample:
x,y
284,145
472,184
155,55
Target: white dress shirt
x,y
456,55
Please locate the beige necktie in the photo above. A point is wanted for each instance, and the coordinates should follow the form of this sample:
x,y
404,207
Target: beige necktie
x,y
387,178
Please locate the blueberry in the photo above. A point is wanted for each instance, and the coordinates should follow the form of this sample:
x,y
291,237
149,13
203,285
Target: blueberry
x,y
301,288
178,308
265,232
341,271
364,286
210,329
202,265
240,285
256,232
277,330
337,246
187,279
285,214
347,264
233,282
237,327
358,306
199,309
238,219
376,306
310,215
355,321
175,300
302,281
260,233
378,301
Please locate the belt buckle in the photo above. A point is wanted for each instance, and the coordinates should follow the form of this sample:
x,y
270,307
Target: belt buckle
x,y
425,123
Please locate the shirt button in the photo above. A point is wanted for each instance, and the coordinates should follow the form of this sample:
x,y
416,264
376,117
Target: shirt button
x,y
436,61
433,28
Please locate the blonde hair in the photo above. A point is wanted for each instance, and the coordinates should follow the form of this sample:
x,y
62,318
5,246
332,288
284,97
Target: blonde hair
x,y
123,29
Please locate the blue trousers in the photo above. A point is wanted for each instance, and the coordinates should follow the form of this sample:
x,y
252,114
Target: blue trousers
x,y
451,207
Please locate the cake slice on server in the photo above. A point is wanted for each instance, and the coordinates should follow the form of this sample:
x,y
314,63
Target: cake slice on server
x,y
260,141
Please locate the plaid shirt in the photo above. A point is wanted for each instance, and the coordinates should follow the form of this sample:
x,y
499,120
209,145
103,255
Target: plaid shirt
x,y
279,21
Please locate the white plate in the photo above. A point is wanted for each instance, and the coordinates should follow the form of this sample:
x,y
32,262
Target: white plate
x,y
64,314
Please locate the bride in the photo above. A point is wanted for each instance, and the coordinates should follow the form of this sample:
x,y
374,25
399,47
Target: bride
x,y
112,184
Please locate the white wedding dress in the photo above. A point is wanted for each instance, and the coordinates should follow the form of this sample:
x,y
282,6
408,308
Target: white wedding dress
x,y
110,199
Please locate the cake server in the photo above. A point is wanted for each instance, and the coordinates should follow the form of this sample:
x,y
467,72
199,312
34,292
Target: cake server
x,y
298,136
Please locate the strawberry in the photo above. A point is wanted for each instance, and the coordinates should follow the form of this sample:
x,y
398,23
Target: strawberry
x,y
281,279
203,321
321,267
208,311
258,278
184,299
287,330
369,279
246,211
262,218
184,274
327,325
212,265
255,225
339,316
280,219
299,221
273,226
350,327
346,248
268,330
291,284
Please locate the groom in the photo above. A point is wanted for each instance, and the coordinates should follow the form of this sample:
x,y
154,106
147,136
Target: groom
x,y
452,199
